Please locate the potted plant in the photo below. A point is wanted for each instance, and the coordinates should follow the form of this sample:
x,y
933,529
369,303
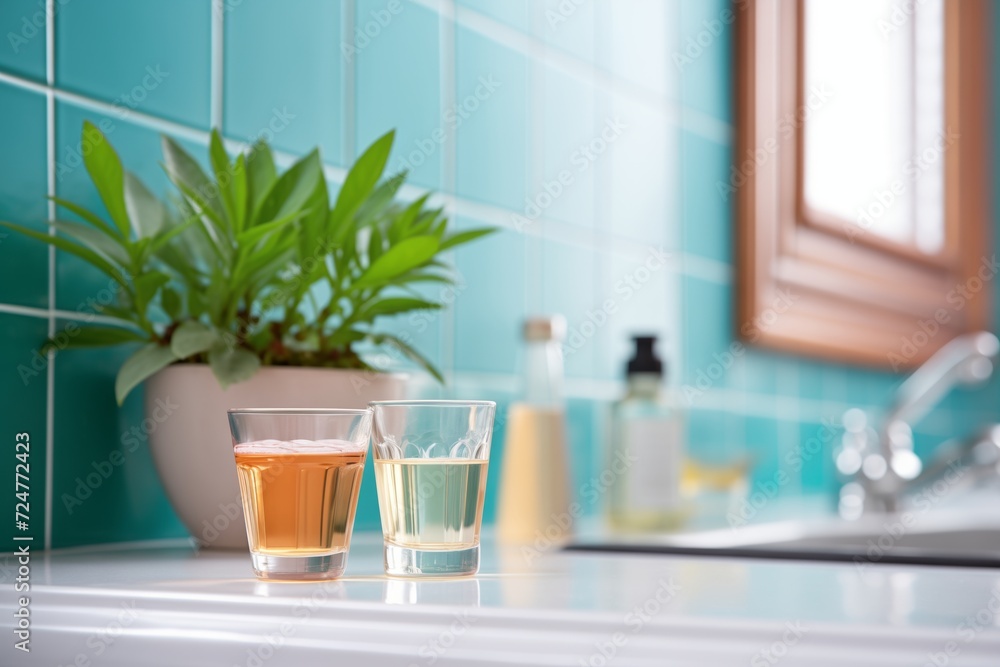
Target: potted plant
x,y
250,276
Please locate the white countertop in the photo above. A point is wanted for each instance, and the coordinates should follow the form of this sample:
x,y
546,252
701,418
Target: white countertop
x,y
176,606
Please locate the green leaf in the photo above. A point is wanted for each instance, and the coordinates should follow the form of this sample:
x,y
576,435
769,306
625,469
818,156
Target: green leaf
x,y
399,259
146,287
146,361
409,351
105,169
108,246
255,234
165,237
239,189
192,337
145,210
360,181
394,305
402,223
185,173
261,174
90,217
232,364
84,253
97,336
290,192
466,237
170,300
374,245
223,175
380,199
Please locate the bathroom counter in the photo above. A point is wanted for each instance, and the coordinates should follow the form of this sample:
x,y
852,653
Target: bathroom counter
x,y
176,606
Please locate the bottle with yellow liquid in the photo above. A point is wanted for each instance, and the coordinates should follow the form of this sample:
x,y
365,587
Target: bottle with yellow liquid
x,y
534,502
647,451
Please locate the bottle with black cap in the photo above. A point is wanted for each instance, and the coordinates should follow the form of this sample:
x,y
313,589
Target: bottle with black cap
x,y
647,449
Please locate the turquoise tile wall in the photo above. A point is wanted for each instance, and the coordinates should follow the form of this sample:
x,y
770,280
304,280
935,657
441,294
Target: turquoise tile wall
x,y
594,134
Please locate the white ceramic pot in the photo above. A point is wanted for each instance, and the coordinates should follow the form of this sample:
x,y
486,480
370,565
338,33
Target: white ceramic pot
x,y
190,439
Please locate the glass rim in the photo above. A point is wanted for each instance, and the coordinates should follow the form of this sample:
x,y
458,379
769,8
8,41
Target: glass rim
x,y
299,411
430,403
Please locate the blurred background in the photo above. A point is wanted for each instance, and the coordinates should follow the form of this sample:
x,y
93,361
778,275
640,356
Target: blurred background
x,y
599,136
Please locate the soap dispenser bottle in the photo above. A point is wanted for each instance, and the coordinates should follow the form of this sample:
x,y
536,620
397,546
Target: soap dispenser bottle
x,y
534,498
647,449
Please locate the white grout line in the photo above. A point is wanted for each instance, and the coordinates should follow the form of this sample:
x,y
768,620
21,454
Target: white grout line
x,y
348,80
217,73
50,374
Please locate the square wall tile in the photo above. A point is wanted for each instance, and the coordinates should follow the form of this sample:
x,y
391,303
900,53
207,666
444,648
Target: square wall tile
x,y
490,310
706,198
638,147
105,486
152,57
22,23
513,13
490,121
290,90
24,262
23,383
703,56
398,86
568,272
568,127
139,150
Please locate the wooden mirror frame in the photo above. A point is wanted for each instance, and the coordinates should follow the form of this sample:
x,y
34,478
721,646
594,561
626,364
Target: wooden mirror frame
x,y
806,284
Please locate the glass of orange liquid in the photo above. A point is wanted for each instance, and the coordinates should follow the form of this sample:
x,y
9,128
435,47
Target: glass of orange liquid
x,y
300,473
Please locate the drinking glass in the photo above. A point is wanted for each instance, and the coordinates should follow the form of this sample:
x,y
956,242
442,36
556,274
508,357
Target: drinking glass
x,y
431,460
300,473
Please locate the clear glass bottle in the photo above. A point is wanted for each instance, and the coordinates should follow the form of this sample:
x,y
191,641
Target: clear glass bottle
x,y
647,449
534,498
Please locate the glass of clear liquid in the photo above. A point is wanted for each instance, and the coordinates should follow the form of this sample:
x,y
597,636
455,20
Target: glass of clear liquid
x,y
300,473
431,461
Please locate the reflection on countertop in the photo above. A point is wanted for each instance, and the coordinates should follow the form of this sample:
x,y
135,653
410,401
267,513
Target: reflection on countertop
x,y
526,607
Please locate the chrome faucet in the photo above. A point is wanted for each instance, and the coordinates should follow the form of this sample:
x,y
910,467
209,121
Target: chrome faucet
x,y
880,463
